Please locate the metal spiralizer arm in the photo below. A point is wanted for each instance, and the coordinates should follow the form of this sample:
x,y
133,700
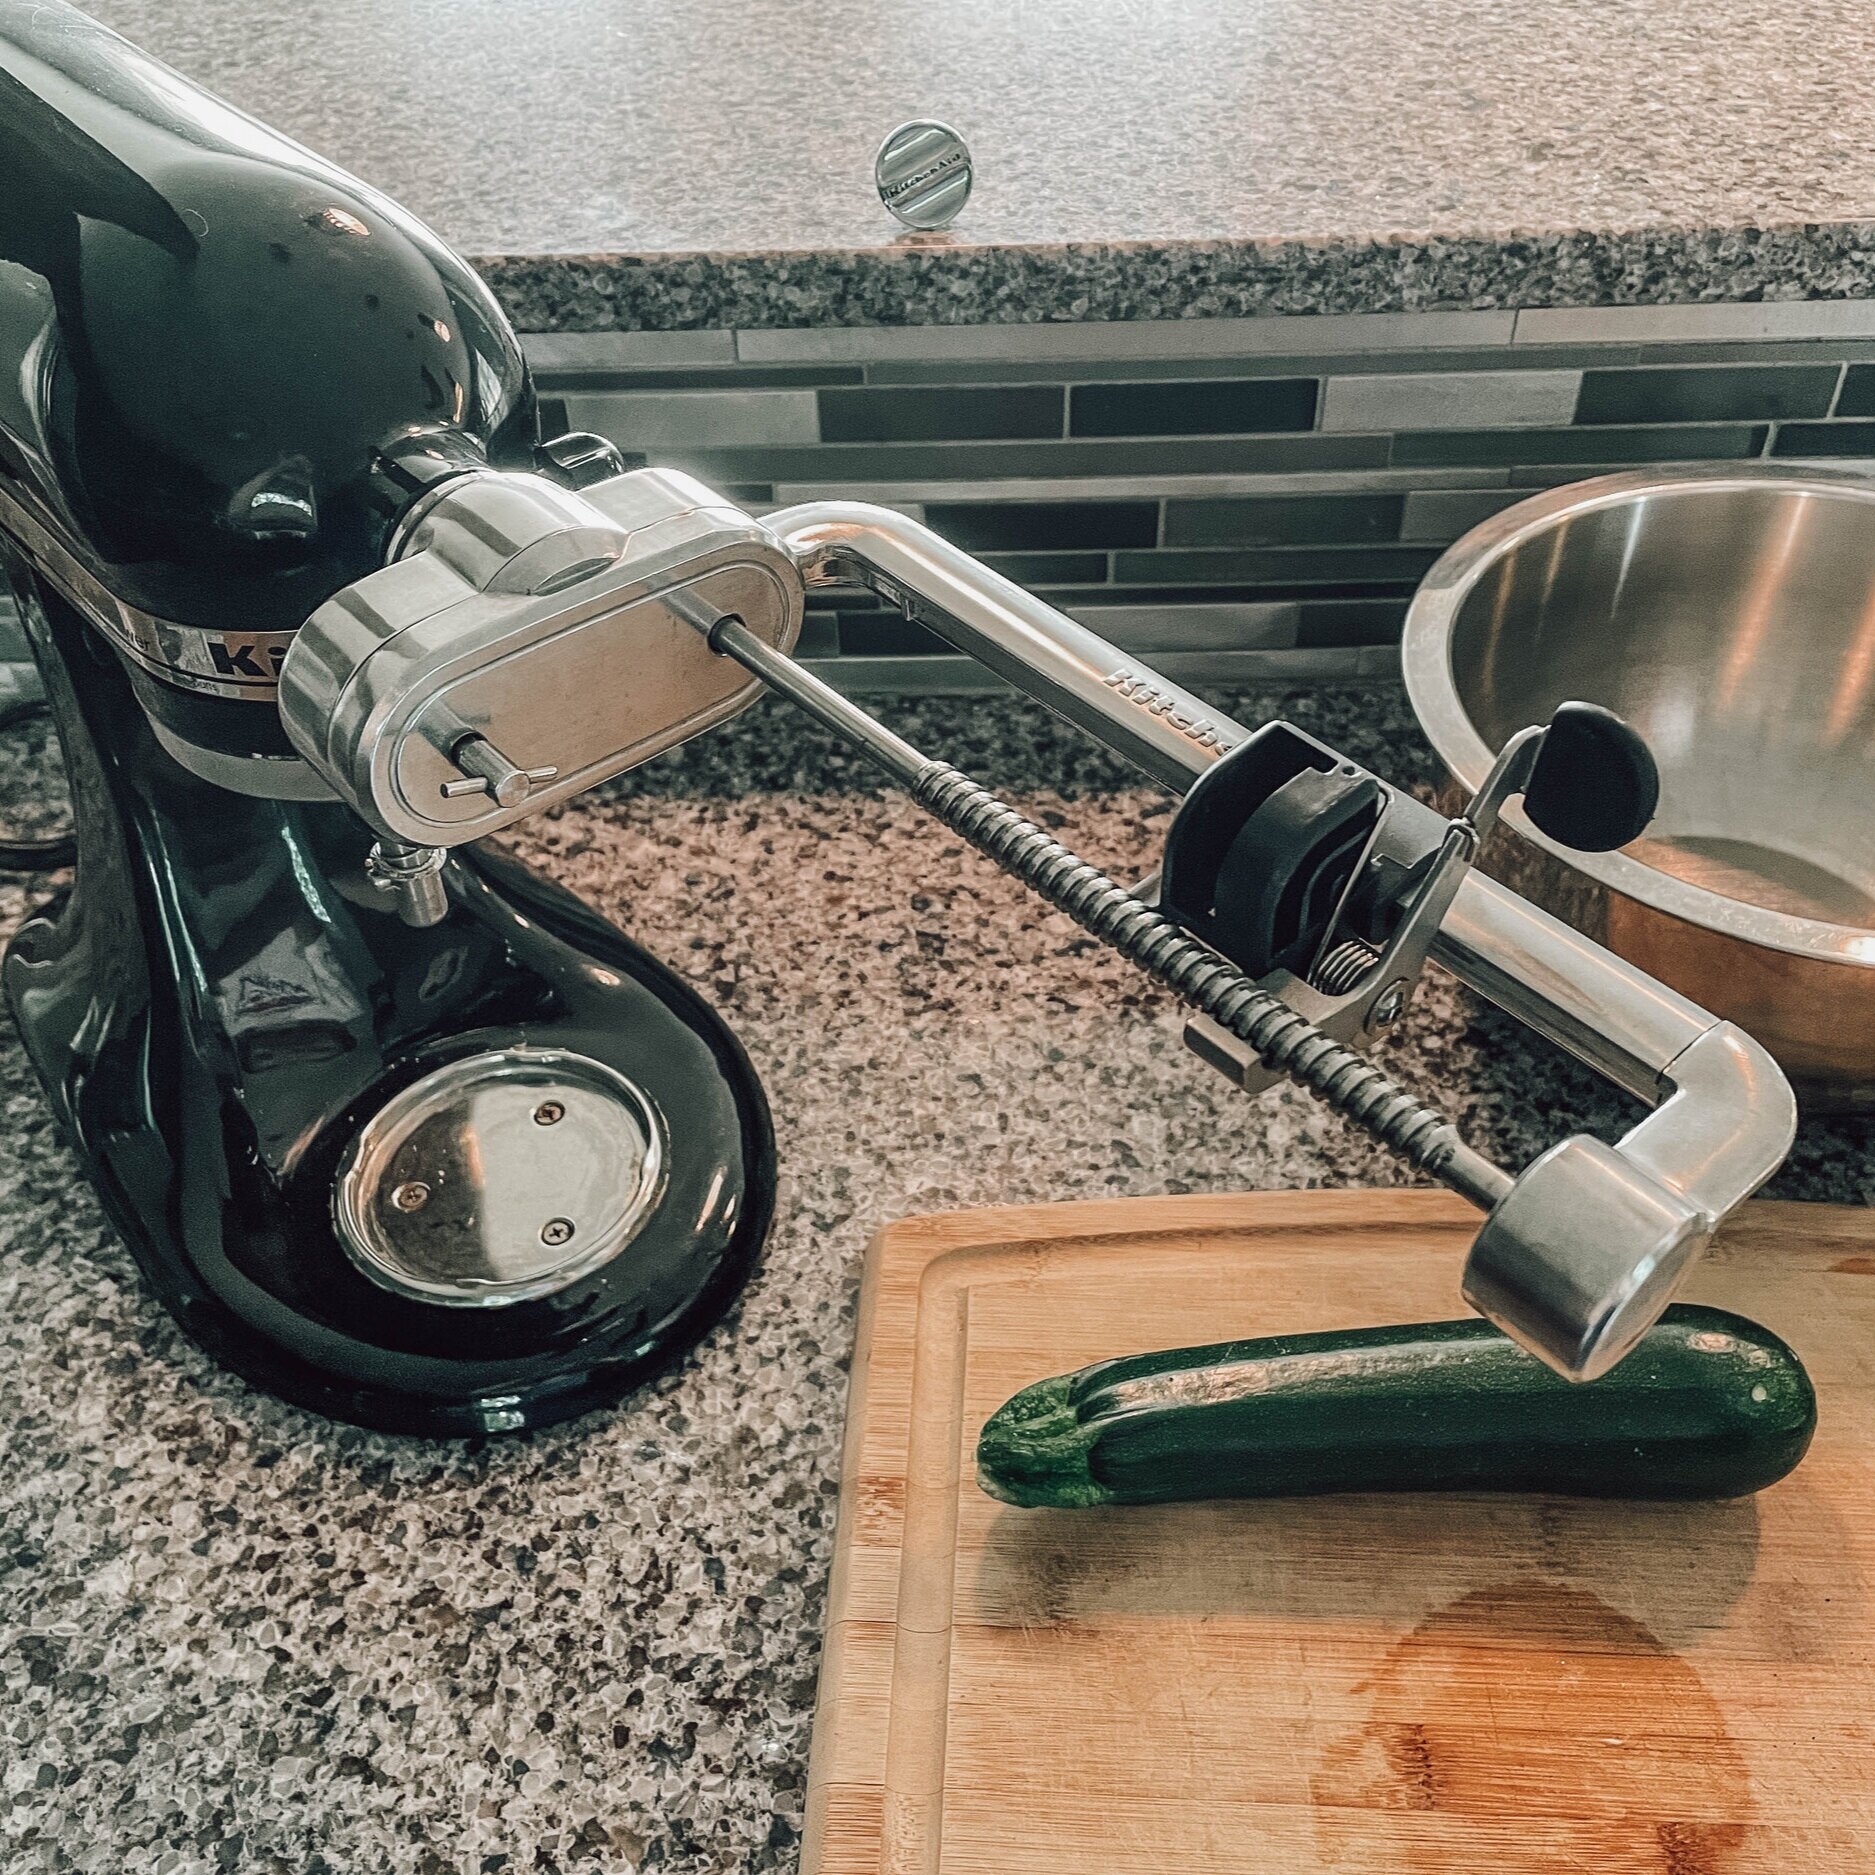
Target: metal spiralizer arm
x,y
529,642
1563,1244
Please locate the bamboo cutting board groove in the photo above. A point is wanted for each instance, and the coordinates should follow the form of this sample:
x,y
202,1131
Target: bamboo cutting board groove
x,y
1373,1686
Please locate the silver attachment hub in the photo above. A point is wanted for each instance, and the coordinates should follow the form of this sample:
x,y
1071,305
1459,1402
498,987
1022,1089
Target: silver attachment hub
x,y
527,645
454,1194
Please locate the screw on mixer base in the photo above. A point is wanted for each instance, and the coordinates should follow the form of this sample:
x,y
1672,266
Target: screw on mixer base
x,y
1284,1039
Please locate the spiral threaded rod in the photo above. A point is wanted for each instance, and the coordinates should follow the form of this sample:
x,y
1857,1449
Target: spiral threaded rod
x,y
1145,937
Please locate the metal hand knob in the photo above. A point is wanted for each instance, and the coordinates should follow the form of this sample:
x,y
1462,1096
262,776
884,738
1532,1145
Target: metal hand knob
x,y
487,771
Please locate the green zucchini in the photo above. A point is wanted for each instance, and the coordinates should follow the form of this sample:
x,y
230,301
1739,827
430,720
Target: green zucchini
x,y
1707,1405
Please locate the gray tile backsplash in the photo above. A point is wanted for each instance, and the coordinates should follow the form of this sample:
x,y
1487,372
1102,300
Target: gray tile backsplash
x,y
1360,566
1449,400
1857,396
1706,393
1731,321
1442,514
1052,569
1241,499
949,413
854,465
1653,442
1194,407
1280,520
575,351
1824,439
1128,338
1000,527
1199,627
698,419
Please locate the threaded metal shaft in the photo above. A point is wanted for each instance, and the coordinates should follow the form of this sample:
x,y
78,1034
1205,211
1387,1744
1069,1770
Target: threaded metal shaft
x,y
1208,983
1151,942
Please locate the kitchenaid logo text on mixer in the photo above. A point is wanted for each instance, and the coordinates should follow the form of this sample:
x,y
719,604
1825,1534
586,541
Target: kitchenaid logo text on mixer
x,y
1157,702
249,658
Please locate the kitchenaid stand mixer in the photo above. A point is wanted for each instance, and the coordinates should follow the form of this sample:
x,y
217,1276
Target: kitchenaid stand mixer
x,y
404,1132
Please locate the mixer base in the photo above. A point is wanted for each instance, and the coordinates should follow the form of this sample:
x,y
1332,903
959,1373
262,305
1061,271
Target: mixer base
x,y
233,1027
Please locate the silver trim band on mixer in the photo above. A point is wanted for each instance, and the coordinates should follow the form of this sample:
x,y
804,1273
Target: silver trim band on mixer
x,y
243,667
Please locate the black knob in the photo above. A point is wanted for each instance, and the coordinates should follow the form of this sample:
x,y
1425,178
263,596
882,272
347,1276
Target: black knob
x,y
1594,786
579,458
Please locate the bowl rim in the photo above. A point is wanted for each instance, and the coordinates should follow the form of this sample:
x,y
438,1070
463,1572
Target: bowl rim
x,y
1432,689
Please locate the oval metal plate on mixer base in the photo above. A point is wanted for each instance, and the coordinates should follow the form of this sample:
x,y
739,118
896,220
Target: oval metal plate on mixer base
x,y
500,1178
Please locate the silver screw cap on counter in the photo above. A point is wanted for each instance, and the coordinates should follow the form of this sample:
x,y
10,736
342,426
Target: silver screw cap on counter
x,y
924,174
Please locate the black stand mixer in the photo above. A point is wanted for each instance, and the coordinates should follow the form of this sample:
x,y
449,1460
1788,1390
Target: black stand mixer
x,y
404,1132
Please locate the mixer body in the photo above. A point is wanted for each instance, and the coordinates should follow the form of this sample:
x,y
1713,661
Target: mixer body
x,y
466,1175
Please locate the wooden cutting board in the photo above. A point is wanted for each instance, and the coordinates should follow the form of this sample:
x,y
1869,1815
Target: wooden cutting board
x,y
1375,1686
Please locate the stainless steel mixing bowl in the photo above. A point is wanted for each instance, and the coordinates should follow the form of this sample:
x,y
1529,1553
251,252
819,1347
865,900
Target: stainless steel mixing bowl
x,y
1729,615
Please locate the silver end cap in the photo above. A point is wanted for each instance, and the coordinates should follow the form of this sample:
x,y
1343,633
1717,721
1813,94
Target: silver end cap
x,y
1582,1257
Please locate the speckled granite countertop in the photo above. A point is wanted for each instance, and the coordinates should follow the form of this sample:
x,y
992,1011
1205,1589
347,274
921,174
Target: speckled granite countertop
x,y
698,163
235,1637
